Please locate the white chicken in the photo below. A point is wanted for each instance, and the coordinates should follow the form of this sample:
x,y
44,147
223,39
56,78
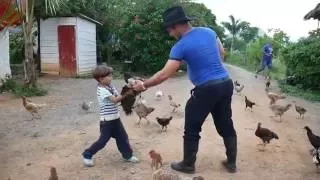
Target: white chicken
x,y
173,104
159,95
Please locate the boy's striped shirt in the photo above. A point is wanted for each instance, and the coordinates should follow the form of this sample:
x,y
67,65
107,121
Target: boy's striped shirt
x,y
108,109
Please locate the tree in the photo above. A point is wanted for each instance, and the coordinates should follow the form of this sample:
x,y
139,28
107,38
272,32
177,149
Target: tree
x,y
234,27
26,8
249,33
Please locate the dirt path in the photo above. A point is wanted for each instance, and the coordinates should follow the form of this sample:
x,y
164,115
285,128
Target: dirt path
x,y
29,148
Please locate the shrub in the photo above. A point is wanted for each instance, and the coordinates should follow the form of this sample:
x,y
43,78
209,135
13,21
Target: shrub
x,y
302,60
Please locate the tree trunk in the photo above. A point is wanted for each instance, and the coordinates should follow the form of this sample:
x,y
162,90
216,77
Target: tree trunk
x,y
38,60
30,72
30,78
232,41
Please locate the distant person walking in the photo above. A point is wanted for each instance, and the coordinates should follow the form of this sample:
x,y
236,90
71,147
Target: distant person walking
x,y
266,58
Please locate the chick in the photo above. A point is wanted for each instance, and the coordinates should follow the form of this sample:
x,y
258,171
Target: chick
x,y
301,110
249,103
53,174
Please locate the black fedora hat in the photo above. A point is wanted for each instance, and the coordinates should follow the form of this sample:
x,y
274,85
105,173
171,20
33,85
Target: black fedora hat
x,y
174,15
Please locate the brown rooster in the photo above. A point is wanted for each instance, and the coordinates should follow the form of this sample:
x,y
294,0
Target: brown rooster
x,y
53,174
301,110
33,108
279,110
265,134
143,111
164,122
249,103
314,139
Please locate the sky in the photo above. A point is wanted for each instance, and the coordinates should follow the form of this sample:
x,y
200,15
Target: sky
x,y
265,14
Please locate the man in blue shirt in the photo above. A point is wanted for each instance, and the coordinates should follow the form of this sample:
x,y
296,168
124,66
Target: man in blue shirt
x,y
266,57
201,50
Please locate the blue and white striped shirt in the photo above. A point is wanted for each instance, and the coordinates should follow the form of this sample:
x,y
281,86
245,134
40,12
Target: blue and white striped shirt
x,y
108,110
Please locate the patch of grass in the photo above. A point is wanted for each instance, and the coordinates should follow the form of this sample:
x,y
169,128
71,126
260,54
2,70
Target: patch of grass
x,y
18,89
309,95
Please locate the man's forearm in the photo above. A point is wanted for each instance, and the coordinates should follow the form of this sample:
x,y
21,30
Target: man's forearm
x,y
156,79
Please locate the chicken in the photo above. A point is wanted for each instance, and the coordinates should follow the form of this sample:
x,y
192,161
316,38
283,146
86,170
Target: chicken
x,y
314,139
163,174
143,111
156,159
173,104
236,83
53,174
268,83
238,89
164,122
274,97
86,106
159,95
301,110
128,102
33,108
279,110
248,103
316,157
265,134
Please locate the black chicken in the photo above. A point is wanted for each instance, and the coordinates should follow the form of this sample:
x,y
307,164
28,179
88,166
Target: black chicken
x,y
164,122
265,134
314,139
127,102
249,103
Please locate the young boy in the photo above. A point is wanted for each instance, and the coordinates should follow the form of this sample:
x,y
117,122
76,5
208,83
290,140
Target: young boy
x,y
110,123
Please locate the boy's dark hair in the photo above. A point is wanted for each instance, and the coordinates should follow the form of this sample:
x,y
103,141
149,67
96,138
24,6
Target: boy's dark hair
x,y
101,71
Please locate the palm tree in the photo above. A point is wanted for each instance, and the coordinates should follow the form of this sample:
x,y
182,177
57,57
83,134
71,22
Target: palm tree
x,y
234,27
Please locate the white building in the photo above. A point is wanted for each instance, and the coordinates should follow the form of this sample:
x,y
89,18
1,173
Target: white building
x,y
4,54
68,45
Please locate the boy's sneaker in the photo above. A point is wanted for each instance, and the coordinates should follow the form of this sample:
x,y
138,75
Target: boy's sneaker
x,y
133,159
88,162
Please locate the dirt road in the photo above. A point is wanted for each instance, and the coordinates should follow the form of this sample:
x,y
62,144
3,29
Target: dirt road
x,y
29,148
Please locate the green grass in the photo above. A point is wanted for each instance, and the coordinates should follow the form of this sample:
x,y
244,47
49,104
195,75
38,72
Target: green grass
x,y
277,73
309,95
18,89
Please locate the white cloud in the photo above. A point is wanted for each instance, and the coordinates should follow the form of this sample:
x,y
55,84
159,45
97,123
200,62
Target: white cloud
x,y
284,14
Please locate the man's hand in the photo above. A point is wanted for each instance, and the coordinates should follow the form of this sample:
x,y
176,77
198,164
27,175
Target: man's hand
x,y
138,86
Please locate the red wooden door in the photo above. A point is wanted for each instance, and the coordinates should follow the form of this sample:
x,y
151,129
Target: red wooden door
x,y
67,51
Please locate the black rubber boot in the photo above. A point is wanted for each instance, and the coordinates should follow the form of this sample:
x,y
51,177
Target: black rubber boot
x,y
190,150
231,152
